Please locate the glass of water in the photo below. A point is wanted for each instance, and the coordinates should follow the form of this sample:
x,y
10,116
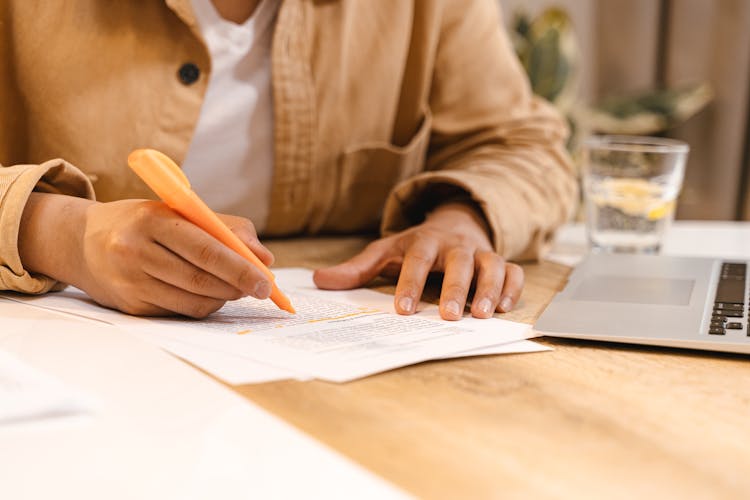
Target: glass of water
x,y
630,188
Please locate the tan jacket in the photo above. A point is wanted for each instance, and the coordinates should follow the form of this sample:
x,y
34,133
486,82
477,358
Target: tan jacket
x,y
380,108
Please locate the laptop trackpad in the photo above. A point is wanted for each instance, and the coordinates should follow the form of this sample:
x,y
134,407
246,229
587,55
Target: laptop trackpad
x,y
636,290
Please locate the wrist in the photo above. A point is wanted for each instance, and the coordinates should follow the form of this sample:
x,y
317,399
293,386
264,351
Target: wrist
x,y
461,212
50,238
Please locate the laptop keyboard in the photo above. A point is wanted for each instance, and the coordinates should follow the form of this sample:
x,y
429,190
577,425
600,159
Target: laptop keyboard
x,y
730,304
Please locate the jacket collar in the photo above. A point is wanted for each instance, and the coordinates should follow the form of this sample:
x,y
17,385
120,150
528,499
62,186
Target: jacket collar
x,y
184,10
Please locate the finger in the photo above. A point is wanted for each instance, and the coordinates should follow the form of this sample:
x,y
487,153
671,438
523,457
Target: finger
x,y
357,271
459,270
418,261
168,267
167,297
206,252
245,231
138,308
260,251
131,304
512,287
490,279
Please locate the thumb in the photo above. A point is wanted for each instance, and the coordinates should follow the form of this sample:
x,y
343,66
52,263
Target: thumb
x,y
355,272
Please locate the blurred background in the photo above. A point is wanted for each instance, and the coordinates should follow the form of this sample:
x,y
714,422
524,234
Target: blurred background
x,y
674,68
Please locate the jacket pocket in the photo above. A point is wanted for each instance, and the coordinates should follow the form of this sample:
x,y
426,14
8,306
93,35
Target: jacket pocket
x,y
367,174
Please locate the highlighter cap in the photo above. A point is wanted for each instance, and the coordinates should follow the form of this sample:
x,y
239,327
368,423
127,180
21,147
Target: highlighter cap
x,y
161,174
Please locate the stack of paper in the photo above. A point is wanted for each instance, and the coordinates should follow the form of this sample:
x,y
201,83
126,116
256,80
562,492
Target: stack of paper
x,y
335,336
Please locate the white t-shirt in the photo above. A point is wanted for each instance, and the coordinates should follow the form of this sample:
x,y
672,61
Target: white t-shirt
x,y
230,159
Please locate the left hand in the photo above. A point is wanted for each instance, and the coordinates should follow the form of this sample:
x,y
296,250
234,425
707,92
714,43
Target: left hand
x,y
454,240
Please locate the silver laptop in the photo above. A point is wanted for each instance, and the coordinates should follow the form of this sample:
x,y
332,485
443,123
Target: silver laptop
x,y
658,300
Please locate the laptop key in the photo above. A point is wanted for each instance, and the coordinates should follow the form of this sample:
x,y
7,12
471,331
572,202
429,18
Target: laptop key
x,y
716,331
730,314
723,305
731,287
734,268
731,291
734,326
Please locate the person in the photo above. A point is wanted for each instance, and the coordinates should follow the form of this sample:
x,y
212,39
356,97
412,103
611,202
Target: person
x,y
303,117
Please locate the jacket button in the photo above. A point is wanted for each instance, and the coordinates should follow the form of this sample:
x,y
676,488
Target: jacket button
x,y
189,73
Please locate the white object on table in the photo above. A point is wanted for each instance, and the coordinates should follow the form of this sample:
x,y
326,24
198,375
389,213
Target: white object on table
x,y
162,429
27,394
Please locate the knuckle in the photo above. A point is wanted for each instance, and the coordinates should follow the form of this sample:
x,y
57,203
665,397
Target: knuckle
x,y
493,293
424,238
492,289
207,307
245,229
460,253
246,278
408,287
247,226
462,239
420,257
490,258
118,243
198,309
515,270
515,267
379,246
215,305
144,213
199,280
455,290
209,255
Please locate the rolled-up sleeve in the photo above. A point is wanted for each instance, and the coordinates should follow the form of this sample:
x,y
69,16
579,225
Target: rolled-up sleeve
x,y
16,184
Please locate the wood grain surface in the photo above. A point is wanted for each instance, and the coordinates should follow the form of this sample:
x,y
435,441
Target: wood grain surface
x,y
588,420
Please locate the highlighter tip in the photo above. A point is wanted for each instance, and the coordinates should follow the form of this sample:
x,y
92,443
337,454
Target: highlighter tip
x,y
281,300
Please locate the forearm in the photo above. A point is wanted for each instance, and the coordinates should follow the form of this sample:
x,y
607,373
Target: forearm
x,y
50,239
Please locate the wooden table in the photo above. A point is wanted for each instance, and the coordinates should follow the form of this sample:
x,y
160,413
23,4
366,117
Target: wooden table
x,y
589,420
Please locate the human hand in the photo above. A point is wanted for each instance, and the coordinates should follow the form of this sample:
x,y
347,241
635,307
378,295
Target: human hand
x,y
142,258
453,240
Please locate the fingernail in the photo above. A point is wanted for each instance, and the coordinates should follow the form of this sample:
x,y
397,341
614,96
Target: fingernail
x,y
453,308
262,290
485,306
405,303
506,304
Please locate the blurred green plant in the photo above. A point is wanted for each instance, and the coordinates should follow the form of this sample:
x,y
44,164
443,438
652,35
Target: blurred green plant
x,y
547,48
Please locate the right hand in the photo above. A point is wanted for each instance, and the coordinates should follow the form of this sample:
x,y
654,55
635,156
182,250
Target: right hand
x,y
142,258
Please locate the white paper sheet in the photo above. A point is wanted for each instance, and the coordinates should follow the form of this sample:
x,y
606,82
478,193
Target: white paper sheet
x,y
160,429
228,367
522,346
335,336
29,394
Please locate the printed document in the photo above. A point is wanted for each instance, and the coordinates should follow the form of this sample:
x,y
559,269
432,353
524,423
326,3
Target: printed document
x,y
335,336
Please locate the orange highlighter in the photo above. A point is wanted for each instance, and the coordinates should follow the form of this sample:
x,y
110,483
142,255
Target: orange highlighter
x,y
166,179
